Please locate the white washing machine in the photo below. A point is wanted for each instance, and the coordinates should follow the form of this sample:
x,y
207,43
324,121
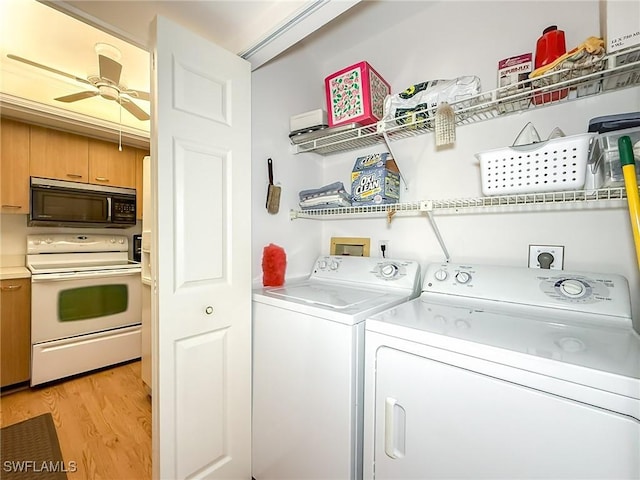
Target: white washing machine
x,y
504,373
308,365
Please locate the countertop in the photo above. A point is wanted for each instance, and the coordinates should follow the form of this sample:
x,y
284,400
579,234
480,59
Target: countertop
x,y
7,273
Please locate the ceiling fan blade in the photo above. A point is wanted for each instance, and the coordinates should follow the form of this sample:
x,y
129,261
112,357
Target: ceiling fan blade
x,y
134,109
74,97
110,69
48,69
138,94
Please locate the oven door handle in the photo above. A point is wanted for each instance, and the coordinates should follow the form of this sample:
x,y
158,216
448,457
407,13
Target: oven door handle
x,y
53,277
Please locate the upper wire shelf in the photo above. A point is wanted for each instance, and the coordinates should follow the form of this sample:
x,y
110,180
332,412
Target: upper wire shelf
x,y
612,72
601,198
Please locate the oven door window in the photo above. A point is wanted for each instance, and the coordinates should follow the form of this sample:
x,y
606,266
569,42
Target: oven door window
x,y
94,301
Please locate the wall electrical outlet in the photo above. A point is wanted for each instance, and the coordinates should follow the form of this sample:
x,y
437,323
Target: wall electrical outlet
x,y
555,262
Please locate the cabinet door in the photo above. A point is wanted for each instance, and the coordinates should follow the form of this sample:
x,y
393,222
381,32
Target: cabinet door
x,y
15,330
60,155
140,154
110,166
14,167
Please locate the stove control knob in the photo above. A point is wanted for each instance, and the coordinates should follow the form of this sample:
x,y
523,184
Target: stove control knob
x,y
37,241
48,240
463,277
441,275
389,270
572,288
121,241
112,240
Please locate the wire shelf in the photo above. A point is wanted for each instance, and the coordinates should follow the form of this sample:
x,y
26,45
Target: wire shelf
x,y
602,198
613,72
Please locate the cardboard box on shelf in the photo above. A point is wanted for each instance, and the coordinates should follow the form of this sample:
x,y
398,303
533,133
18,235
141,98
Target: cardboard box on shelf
x,y
375,180
619,24
355,94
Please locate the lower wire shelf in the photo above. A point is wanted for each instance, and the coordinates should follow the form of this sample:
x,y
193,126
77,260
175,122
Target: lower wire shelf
x,y
579,199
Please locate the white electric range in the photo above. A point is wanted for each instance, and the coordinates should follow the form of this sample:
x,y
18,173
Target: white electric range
x,y
85,303
499,372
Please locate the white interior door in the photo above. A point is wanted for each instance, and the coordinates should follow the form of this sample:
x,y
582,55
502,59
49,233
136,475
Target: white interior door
x,y
200,146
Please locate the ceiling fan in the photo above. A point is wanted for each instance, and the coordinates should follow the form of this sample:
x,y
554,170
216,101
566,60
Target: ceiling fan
x,y
107,82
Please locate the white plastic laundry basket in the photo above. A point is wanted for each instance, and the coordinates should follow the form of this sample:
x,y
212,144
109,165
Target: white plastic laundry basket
x,y
554,165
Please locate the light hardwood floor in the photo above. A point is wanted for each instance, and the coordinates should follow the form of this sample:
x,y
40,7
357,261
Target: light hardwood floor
x,y
103,421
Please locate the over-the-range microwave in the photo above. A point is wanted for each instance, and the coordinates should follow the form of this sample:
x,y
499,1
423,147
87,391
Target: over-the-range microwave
x,y
71,204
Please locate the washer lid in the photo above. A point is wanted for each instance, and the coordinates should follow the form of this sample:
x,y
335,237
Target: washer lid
x,y
331,301
332,296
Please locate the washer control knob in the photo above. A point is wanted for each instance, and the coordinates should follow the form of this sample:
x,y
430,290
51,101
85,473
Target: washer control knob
x,y
334,265
463,277
441,275
322,264
389,270
572,288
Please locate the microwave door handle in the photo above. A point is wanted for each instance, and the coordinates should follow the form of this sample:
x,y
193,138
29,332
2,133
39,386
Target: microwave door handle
x,y
108,209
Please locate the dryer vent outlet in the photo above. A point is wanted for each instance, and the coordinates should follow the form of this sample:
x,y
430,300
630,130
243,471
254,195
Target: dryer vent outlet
x,y
546,256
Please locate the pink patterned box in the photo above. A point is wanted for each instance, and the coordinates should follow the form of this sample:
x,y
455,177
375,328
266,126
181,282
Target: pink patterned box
x,y
355,95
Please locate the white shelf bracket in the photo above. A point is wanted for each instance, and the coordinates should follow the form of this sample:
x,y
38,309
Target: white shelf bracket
x,y
438,236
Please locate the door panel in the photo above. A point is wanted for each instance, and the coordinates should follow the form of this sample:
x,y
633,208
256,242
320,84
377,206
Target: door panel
x,y
201,258
443,421
201,179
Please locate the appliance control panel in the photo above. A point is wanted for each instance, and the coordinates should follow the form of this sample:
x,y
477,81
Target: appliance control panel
x,y
581,292
74,243
368,271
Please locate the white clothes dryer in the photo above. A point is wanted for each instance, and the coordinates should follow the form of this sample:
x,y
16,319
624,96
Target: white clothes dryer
x,y
504,373
308,365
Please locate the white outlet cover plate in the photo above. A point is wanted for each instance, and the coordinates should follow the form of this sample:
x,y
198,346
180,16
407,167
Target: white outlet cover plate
x,y
556,250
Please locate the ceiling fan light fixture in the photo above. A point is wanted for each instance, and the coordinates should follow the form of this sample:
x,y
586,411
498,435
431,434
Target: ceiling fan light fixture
x,y
108,51
109,92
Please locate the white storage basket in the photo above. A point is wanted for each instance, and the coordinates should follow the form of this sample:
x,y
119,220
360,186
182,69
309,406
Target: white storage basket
x,y
554,165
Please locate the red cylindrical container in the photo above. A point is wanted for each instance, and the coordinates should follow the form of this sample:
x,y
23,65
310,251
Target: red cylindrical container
x,y
551,45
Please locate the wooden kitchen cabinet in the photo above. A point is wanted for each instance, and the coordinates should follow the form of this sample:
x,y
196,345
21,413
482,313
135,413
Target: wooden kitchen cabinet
x,y
140,154
15,331
14,166
56,154
110,166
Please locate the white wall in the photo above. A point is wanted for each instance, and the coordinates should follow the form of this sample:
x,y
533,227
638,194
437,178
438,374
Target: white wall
x,y
410,42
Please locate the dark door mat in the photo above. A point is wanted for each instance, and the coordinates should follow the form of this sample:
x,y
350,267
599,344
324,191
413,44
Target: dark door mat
x,y
30,450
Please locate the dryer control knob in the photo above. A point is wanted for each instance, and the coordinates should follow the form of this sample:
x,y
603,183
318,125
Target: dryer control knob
x,y
322,264
334,265
463,277
572,288
441,275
